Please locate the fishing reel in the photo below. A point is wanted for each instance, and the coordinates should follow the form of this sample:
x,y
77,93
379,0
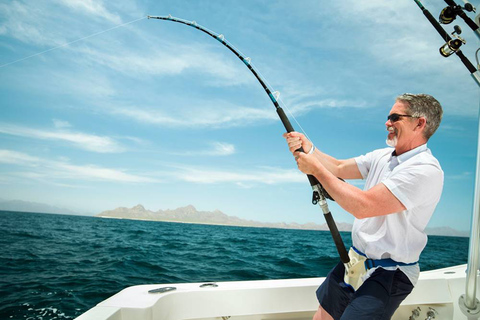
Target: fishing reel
x,y
453,45
450,13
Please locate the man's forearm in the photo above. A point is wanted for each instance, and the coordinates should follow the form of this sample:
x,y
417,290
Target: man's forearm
x,y
377,201
329,162
345,169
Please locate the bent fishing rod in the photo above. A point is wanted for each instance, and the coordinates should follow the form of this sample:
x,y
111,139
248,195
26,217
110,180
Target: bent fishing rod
x,y
319,193
452,45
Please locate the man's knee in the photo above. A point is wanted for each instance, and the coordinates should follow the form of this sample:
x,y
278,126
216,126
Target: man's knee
x,y
321,314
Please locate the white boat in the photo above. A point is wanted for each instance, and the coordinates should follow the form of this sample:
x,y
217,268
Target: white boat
x,y
437,295
450,293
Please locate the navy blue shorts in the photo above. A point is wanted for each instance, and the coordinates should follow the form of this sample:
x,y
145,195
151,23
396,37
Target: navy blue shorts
x,y
377,298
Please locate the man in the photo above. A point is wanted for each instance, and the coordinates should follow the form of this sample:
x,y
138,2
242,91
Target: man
x,y
402,188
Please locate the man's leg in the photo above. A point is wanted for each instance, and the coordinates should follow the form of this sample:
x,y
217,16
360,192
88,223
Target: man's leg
x,y
379,296
322,315
333,295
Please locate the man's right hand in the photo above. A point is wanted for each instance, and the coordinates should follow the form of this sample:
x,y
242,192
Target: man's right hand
x,y
295,140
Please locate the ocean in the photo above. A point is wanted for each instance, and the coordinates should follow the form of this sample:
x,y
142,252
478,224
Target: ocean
x,y
59,266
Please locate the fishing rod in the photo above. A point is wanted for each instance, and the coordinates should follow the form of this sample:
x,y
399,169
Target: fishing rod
x,y
319,193
468,303
452,45
453,10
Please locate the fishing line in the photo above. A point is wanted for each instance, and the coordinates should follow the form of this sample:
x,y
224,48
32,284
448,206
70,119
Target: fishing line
x,y
281,103
269,86
71,42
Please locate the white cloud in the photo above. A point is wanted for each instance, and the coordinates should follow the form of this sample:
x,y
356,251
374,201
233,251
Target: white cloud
x,y
81,84
60,124
14,157
172,59
91,172
224,114
215,149
92,7
39,24
222,149
57,170
305,107
18,23
94,143
263,175
62,170
461,176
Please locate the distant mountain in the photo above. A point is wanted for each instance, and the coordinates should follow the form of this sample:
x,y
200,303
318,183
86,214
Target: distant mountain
x,y
189,214
25,206
446,231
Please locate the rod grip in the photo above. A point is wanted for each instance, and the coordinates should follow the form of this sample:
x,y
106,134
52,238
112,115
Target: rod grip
x,y
288,126
337,238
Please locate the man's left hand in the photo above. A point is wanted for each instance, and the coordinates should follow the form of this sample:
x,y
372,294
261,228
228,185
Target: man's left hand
x,y
307,163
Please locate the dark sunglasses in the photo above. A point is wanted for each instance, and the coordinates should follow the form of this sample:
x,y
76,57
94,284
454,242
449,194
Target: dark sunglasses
x,y
394,117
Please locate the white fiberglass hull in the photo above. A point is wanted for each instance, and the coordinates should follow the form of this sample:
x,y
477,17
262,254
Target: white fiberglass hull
x,y
437,292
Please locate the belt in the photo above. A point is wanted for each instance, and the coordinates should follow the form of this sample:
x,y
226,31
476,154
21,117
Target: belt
x,y
373,263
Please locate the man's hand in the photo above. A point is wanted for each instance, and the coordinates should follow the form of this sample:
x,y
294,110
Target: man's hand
x,y
295,140
307,163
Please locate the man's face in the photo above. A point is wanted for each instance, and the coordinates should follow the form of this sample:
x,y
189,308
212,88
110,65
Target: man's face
x,y
400,132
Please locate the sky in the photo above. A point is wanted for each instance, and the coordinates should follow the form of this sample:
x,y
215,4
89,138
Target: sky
x,y
102,108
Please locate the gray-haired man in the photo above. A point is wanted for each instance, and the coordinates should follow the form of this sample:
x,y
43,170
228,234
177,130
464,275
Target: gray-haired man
x,y
403,186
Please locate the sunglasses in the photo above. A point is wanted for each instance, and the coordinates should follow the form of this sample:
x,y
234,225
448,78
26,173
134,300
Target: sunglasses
x,y
394,117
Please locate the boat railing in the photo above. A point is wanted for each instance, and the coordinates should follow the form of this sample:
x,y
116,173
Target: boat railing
x,y
468,302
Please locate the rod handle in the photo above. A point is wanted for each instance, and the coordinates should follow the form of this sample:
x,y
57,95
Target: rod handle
x,y
288,126
337,238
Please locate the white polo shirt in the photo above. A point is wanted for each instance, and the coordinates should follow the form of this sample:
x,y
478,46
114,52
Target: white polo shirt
x,y
415,178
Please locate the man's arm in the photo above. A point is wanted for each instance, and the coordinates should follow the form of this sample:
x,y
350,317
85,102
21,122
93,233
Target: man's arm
x,y
376,201
345,169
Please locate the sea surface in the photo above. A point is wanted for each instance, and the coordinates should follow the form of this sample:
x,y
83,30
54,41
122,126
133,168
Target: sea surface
x,y
59,266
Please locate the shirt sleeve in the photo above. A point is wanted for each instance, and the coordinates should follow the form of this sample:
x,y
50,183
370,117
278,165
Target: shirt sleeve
x,y
416,185
365,162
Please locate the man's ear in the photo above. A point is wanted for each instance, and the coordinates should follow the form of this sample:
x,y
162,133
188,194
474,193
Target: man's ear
x,y
422,122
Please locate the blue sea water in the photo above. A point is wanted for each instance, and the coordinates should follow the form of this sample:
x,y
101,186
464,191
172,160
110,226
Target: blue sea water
x,y
59,266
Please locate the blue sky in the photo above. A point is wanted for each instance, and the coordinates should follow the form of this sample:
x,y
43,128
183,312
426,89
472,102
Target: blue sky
x,y
158,113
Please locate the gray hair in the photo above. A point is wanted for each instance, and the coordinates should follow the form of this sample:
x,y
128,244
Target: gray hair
x,y
424,105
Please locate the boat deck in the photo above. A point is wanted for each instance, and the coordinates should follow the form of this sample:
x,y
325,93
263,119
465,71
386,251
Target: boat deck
x,y
437,293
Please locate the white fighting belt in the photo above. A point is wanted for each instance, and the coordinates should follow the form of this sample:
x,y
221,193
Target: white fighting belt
x,y
355,269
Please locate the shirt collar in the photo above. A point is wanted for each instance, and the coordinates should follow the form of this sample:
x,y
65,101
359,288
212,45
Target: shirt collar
x,y
409,154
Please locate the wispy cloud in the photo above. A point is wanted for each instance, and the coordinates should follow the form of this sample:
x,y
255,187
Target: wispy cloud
x,y
461,176
18,24
19,158
305,107
172,59
89,142
263,175
87,172
60,124
215,149
39,24
92,8
218,114
63,170
222,149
